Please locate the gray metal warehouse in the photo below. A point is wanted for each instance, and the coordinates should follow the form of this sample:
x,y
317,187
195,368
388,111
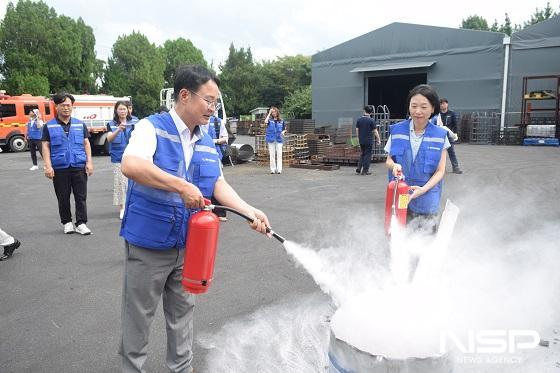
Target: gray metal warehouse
x,y
467,67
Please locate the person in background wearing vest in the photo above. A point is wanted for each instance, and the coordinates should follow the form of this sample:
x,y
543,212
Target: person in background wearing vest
x,y
10,245
275,129
449,120
119,130
365,129
218,133
416,149
133,119
67,157
34,133
172,165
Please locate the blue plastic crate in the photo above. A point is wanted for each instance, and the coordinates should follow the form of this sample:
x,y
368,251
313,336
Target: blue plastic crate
x,y
539,141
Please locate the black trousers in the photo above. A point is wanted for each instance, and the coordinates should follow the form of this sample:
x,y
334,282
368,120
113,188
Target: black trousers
x,y
365,158
65,183
35,145
453,157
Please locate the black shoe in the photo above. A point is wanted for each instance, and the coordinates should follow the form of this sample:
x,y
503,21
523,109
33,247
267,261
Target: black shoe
x,y
358,171
457,171
9,250
366,173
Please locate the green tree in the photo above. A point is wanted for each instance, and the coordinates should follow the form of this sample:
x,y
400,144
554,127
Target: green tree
x,y
135,68
239,81
475,22
298,103
38,46
180,52
281,77
540,15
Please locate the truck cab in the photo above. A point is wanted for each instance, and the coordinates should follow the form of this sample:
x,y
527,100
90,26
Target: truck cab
x,y
14,112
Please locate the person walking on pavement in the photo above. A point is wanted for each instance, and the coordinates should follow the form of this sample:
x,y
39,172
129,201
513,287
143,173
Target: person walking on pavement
x,y
172,165
118,134
9,243
449,119
34,133
67,157
365,130
275,130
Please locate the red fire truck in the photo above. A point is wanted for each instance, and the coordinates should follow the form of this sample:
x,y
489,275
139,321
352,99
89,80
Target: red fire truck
x,y
94,110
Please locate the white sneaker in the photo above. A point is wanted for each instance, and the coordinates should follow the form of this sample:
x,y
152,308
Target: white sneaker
x,y
69,228
83,229
33,168
121,214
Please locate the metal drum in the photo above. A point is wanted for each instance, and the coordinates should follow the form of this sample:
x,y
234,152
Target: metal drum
x,y
242,153
345,358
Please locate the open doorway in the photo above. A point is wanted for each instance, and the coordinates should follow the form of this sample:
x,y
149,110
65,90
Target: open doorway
x,y
392,90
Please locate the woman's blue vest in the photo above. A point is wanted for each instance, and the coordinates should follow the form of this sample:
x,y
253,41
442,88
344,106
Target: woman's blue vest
x,y
67,151
215,135
274,131
34,132
419,171
157,219
120,141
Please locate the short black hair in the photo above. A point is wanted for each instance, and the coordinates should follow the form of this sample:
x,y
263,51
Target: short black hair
x,y
368,109
163,109
426,91
443,100
59,98
191,77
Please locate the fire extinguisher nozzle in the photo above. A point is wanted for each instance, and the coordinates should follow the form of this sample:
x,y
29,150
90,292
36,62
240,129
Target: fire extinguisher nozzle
x,y
277,236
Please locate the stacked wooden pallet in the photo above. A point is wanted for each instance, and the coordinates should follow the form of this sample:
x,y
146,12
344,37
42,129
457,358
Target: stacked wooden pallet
x,y
301,126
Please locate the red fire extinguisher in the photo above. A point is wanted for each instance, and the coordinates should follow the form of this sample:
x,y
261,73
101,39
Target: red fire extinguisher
x,y
200,252
396,202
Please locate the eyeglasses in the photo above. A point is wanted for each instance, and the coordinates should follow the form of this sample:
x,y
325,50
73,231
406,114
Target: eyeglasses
x,y
215,104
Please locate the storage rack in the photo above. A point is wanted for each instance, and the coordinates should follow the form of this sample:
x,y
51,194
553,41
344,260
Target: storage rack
x,y
546,125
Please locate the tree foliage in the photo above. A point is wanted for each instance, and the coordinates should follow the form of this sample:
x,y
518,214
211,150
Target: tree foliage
x,y
298,103
282,77
180,52
239,81
41,52
476,22
136,68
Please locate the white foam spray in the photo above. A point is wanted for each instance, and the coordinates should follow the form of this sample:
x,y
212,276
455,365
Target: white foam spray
x,y
501,272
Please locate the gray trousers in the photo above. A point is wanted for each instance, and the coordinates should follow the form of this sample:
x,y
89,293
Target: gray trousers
x,y
148,275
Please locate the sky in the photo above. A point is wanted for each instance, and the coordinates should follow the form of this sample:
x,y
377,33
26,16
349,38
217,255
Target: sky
x,y
272,29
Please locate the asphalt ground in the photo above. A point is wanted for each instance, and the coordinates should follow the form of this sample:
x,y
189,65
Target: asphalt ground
x,y
60,295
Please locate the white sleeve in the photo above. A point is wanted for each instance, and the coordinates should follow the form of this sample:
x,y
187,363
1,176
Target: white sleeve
x,y
387,147
143,141
223,131
446,143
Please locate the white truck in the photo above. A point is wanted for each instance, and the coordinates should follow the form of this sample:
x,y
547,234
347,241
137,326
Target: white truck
x,y
96,111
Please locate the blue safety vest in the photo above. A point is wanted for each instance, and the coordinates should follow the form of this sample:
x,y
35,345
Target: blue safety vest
x,y
274,130
215,135
419,171
67,151
120,141
34,132
157,219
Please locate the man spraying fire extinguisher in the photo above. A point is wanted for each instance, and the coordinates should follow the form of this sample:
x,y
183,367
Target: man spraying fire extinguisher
x,y
172,165
417,149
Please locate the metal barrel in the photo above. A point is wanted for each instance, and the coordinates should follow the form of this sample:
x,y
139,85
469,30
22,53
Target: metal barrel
x,y
242,153
345,358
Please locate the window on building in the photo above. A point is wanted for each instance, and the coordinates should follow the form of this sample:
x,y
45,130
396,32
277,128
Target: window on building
x,y
47,108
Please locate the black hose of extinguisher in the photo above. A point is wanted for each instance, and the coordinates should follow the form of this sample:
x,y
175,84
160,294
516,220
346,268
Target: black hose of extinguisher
x,y
250,220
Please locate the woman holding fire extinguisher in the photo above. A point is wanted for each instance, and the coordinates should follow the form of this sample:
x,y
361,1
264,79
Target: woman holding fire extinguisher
x,y
417,152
